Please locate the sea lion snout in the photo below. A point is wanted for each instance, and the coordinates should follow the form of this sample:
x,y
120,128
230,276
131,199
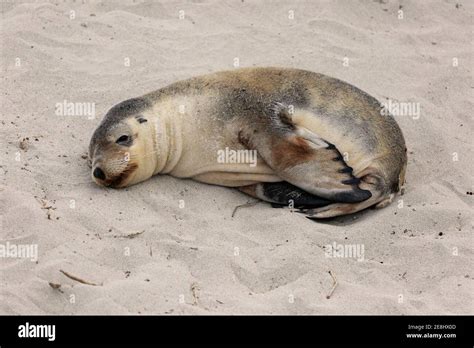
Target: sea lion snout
x,y
112,161
113,169
98,173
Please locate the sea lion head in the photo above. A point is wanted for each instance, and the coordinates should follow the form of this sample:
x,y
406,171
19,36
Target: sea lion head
x,y
122,147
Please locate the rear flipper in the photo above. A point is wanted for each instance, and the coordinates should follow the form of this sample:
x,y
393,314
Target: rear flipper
x,y
371,182
285,194
337,209
315,207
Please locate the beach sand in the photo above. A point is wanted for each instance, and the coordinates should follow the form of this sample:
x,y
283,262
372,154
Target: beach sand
x,y
146,252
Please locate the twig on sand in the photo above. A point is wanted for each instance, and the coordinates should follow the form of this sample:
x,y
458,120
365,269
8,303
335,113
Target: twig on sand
x,y
334,285
127,236
246,205
131,235
56,287
195,291
77,279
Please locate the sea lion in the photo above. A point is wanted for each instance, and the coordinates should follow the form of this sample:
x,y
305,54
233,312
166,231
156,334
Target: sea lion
x,y
320,144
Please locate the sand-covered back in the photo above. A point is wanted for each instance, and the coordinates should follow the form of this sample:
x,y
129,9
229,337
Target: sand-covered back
x,y
172,246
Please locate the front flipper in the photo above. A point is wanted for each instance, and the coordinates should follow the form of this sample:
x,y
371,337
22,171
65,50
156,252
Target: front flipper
x,y
285,194
303,159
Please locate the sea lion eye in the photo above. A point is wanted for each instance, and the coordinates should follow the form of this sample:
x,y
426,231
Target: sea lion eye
x,y
123,140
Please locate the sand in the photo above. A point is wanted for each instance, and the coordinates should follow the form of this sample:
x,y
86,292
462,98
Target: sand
x,y
149,254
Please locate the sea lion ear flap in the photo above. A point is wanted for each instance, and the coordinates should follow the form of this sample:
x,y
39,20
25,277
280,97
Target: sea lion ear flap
x,y
141,119
281,113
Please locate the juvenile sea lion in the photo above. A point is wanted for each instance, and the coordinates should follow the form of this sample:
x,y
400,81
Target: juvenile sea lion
x,y
320,144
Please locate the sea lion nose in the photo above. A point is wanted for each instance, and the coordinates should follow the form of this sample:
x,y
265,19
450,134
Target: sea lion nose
x,y
99,174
